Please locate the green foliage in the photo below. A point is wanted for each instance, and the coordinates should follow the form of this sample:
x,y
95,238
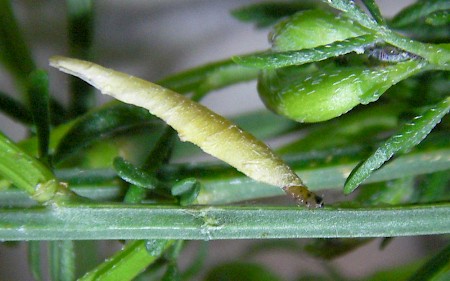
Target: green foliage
x,y
409,136
241,271
116,172
39,105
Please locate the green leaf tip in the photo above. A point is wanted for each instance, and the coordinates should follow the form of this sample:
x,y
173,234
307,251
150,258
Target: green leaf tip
x,y
409,136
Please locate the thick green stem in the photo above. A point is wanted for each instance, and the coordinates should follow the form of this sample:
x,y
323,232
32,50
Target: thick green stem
x,y
116,221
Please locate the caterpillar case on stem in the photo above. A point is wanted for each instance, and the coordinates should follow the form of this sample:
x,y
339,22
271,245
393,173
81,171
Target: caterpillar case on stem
x,y
195,123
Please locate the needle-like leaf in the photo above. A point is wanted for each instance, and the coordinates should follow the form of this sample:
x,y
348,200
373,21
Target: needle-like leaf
x,y
38,97
408,137
271,60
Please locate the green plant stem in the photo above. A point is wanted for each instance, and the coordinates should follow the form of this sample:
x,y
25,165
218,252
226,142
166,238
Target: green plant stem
x,y
14,52
217,187
34,259
38,181
222,184
272,60
39,104
62,260
374,10
438,54
116,221
81,35
14,109
13,161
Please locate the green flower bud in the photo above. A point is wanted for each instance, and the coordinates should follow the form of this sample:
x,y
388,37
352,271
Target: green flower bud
x,y
328,93
312,28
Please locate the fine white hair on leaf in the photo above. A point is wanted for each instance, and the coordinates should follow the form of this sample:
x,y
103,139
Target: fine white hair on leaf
x,y
213,133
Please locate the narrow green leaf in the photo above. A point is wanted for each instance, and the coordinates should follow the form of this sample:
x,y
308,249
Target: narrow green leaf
x,y
99,124
135,194
162,151
281,59
38,98
420,9
58,113
434,267
53,259
14,52
134,175
34,259
81,26
189,80
62,260
15,109
224,76
187,190
128,262
144,177
92,177
354,12
408,137
206,78
267,13
13,161
374,10
81,34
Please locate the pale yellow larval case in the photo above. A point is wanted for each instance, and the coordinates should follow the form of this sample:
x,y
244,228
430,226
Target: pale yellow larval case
x,y
195,123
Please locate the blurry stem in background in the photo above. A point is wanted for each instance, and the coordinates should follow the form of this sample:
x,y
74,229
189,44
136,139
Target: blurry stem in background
x,y
62,260
38,100
34,259
81,35
14,52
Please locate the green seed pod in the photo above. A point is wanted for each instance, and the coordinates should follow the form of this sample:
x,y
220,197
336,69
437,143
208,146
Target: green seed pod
x,y
312,28
326,94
